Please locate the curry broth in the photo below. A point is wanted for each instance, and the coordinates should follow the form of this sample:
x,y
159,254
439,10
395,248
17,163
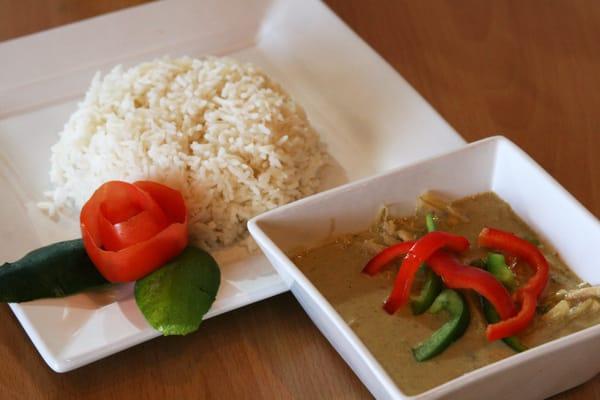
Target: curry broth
x,y
335,269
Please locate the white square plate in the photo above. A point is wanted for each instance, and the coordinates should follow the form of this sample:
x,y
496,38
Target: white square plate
x,y
370,118
494,164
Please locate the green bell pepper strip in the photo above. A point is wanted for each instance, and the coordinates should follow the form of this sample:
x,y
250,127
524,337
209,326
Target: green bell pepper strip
x,y
492,317
496,265
429,222
430,290
457,307
433,284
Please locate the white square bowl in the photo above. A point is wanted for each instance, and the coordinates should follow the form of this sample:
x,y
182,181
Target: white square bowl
x,y
493,164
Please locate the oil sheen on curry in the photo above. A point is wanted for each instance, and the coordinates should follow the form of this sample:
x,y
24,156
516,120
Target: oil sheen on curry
x,y
423,349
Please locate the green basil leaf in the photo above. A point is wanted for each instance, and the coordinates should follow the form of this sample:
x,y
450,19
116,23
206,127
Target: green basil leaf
x,y
175,297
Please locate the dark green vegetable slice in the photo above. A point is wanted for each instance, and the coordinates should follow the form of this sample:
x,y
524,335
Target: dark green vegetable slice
x,y
455,304
431,288
175,297
433,284
496,265
57,270
429,222
492,317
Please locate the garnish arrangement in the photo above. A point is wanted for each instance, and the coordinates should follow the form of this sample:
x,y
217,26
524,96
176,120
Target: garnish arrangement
x,y
130,232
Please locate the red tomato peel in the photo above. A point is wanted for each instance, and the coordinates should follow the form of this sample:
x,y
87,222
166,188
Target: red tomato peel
x,y
130,230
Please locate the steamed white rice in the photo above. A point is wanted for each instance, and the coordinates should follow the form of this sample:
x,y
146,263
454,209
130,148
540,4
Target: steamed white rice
x,y
225,135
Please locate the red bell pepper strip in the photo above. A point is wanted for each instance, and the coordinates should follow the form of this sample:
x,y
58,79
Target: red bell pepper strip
x,y
522,249
511,326
418,254
527,294
129,230
459,276
387,255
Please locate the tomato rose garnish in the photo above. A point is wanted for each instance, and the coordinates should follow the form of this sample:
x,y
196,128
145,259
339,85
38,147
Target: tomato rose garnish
x,y
130,230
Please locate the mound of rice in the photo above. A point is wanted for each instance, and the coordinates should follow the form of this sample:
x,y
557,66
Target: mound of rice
x,y
225,135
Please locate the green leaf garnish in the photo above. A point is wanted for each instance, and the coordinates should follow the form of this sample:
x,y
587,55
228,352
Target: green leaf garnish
x,y
175,297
